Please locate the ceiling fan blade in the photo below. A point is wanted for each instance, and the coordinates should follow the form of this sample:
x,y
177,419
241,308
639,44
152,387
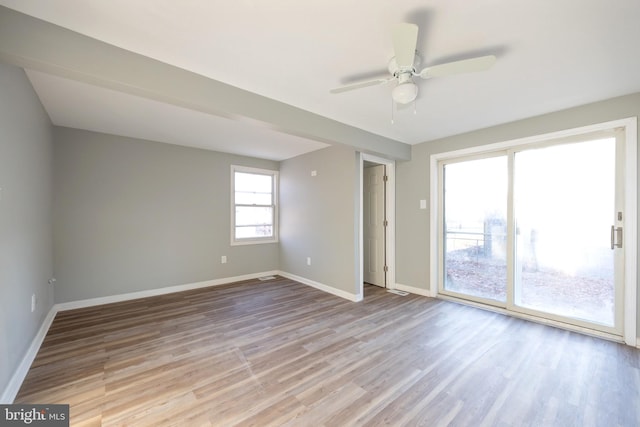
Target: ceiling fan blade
x,y
480,63
361,85
405,37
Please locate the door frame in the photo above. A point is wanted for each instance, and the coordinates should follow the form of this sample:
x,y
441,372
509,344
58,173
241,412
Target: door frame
x,y
390,208
630,225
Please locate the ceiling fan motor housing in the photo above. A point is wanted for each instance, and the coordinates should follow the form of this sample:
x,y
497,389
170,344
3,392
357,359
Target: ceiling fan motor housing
x,y
394,70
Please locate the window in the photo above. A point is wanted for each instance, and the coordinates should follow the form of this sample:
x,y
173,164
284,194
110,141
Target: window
x,y
254,204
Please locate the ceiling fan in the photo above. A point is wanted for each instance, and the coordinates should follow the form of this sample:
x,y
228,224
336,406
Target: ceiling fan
x,y
403,66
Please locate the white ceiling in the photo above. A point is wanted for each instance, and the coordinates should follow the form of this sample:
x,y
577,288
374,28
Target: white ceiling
x,y
551,55
80,105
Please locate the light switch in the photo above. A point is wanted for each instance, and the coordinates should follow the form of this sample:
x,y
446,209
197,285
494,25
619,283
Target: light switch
x,y
423,204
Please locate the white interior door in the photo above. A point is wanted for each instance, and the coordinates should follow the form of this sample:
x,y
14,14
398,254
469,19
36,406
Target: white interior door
x,y
374,229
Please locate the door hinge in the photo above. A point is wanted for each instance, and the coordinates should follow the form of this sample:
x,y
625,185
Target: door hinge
x,y
386,268
385,178
385,223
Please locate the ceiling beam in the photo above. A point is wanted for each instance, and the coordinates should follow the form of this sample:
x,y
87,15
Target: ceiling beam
x,y
29,42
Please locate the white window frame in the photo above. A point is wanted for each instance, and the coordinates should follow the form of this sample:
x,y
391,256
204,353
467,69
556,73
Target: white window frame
x,y
254,240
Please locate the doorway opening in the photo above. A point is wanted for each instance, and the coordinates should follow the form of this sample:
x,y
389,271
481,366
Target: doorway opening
x,y
374,222
377,222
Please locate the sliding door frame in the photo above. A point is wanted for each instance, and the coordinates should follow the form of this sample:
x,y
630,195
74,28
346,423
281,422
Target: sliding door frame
x,y
629,125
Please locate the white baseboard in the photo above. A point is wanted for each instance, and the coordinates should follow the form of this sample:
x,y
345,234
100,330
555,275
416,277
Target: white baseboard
x,y
322,287
12,389
413,290
159,291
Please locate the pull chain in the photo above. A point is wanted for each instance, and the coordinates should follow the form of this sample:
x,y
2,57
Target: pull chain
x,y
393,110
392,104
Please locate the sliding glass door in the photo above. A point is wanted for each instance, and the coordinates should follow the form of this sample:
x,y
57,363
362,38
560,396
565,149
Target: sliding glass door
x,y
538,230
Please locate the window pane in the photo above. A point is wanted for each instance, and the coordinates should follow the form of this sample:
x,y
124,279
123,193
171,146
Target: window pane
x,y
563,198
252,198
253,189
254,231
253,183
254,215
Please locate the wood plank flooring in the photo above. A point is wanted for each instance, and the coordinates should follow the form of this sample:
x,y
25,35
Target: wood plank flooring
x,y
281,353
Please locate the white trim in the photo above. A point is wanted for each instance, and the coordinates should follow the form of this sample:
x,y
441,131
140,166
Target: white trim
x,y
434,248
322,287
630,232
360,225
158,291
12,389
503,145
391,227
412,290
638,343
630,229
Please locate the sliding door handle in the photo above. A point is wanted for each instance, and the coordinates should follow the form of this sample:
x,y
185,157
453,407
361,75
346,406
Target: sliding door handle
x,y
616,234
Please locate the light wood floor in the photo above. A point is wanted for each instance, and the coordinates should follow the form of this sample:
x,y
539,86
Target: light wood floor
x,y
281,353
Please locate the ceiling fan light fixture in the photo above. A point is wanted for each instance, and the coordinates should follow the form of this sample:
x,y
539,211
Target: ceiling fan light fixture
x,y
405,92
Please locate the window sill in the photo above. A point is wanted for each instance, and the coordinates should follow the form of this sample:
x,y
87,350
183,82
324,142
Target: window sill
x,y
244,242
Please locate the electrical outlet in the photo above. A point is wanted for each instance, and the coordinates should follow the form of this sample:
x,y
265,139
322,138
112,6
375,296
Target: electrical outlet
x,y
223,259
308,260
33,303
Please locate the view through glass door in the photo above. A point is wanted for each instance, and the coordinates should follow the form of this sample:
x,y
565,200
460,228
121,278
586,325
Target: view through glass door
x,y
475,218
551,216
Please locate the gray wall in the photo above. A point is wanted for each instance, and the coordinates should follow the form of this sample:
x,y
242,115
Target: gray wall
x,y
133,215
25,218
412,229
318,217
